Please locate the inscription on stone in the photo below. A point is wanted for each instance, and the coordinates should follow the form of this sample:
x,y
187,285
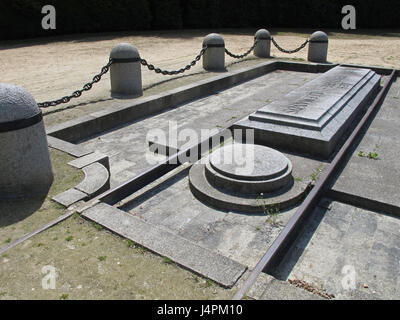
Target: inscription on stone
x,y
315,103
303,103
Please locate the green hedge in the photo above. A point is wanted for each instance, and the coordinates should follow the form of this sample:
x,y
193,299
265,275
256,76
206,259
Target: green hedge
x,y
22,18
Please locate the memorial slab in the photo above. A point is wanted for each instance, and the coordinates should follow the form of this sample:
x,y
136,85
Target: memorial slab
x,y
313,117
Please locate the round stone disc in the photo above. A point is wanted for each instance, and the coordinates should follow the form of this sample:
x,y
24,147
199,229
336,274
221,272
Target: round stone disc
x,y
248,162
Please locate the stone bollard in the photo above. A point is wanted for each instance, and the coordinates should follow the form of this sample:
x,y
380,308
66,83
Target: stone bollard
x,y
263,46
214,56
125,72
25,167
318,47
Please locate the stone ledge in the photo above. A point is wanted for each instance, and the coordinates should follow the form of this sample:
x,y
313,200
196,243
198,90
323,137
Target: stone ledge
x,y
70,148
89,125
69,197
97,180
90,159
207,263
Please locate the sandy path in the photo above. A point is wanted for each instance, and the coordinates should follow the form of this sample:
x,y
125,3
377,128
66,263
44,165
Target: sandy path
x,y
55,69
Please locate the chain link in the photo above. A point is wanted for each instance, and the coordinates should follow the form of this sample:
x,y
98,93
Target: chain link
x,y
78,93
151,67
240,56
174,72
288,51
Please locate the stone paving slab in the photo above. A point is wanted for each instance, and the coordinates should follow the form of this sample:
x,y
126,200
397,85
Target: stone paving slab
x,y
69,197
127,146
70,148
269,288
243,237
340,241
375,180
212,265
89,159
232,105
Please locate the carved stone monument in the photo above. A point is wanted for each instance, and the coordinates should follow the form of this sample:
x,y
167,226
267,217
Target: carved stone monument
x,y
313,117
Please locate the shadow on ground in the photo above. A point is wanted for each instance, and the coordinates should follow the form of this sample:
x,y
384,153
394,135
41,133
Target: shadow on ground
x,y
13,211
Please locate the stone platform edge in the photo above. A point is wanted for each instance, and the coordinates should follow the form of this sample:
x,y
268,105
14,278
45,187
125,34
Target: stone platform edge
x,y
89,125
94,123
185,253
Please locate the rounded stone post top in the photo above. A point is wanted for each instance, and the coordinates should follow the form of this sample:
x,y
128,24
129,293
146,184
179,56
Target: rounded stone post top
x,y
124,51
213,39
262,34
16,103
319,36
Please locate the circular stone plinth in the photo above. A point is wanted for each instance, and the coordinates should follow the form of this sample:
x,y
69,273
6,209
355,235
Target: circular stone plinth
x,y
264,176
249,162
208,193
248,169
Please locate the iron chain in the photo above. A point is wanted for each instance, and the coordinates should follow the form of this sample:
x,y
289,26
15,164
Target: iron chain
x,y
174,72
240,56
288,51
78,93
151,67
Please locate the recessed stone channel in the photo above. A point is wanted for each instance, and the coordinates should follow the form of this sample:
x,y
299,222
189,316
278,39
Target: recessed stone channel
x,y
245,177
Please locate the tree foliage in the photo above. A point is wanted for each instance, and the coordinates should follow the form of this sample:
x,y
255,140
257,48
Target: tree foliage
x,y
22,18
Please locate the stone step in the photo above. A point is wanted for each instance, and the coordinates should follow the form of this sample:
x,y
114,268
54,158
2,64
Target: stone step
x,y
205,262
97,180
89,159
